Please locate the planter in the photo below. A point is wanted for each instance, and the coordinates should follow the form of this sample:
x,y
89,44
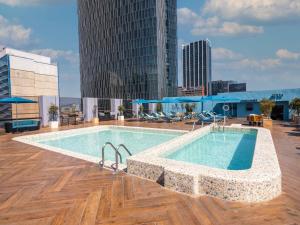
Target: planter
x,y
95,120
121,118
267,123
53,124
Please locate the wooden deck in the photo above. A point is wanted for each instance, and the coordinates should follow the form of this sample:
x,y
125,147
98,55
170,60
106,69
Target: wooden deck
x,y
42,187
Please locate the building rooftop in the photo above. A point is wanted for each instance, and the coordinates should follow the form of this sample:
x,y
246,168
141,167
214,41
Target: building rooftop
x,y
279,95
23,54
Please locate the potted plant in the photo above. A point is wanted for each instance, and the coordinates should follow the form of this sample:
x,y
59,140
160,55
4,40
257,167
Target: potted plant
x,y
189,108
141,110
53,116
121,109
95,115
266,106
159,107
295,106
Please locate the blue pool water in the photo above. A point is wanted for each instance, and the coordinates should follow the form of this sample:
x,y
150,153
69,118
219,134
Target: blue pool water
x,y
225,150
91,143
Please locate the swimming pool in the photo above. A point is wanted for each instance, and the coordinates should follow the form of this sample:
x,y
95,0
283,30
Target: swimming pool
x,y
229,150
235,163
86,143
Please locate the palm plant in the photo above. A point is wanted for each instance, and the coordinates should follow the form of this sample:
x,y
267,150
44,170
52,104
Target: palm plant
x,y
295,105
266,106
53,112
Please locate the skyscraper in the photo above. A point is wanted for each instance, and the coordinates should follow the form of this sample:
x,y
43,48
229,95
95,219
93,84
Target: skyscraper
x,y
197,67
128,48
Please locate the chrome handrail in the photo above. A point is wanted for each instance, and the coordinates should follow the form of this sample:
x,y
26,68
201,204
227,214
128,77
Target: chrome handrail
x,y
101,163
123,146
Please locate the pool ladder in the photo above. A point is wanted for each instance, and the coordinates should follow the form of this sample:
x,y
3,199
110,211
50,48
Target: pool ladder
x,y
114,166
217,126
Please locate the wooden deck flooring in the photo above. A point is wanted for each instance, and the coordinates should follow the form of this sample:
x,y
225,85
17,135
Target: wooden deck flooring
x,y
42,187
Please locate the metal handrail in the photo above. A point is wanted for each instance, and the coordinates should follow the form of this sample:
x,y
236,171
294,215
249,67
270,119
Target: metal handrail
x,y
123,146
101,163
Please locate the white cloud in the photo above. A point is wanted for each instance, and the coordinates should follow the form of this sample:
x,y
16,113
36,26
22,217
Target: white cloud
x,y
261,10
258,64
70,56
13,34
224,54
226,29
185,16
213,25
30,2
286,54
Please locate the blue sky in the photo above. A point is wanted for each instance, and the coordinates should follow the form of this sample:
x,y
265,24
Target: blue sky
x,y
253,41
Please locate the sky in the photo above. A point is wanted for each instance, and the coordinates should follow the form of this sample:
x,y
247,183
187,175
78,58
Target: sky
x,y
253,41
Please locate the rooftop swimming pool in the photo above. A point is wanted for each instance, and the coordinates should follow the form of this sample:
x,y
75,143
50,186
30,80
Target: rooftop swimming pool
x,y
86,143
236,163
232,163
230,150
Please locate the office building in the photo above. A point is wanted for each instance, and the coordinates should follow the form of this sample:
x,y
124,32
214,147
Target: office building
x,y
238,87
26,75
128,49
197,72
223,86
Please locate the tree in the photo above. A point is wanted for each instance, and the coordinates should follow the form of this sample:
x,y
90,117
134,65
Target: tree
x,y
266,106
295,105
159,107
53,112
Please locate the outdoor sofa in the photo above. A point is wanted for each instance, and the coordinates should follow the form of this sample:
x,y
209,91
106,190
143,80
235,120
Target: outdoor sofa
x,y
21,125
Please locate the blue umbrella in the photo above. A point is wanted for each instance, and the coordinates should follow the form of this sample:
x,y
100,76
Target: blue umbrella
x,y
140,101
16,100
187,100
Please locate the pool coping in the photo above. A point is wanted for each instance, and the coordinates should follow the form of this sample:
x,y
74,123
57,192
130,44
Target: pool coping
x,y
75,131
261,182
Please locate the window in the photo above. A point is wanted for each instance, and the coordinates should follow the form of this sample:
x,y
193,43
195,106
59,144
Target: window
x,y
249,107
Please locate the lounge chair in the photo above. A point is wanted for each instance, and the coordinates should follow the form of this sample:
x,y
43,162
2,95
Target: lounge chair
x,y
148,117
205,119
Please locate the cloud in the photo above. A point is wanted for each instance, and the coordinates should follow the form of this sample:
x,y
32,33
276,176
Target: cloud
x,y
69,56
224,54
226,29
260,10
286,54
213,25
31,2
262,64
185,16
13,34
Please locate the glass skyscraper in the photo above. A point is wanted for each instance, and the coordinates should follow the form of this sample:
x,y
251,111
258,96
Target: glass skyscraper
x,y
128,48
197,67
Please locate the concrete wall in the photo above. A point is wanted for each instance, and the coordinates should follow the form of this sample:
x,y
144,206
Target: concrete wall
x,y
26,83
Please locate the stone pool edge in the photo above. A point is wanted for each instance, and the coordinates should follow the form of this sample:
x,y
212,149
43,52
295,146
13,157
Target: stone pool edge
x,y
262,182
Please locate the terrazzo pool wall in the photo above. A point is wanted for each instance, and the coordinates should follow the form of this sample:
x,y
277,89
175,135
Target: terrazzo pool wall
x,y
261,182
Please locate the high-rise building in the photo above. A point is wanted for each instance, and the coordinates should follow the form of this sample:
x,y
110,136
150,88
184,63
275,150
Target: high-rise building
x,y
223,86
28,75
197,67
128,49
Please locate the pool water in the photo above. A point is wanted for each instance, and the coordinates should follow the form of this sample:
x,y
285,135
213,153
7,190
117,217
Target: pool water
x,y
226,150
91,143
